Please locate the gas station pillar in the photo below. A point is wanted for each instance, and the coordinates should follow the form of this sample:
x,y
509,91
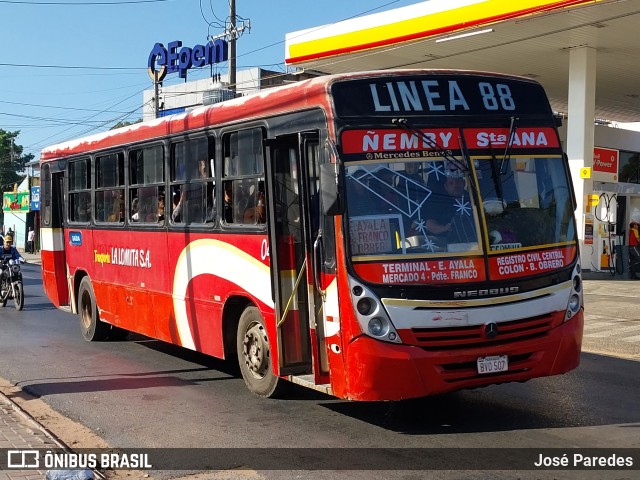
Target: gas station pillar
x,y
580,132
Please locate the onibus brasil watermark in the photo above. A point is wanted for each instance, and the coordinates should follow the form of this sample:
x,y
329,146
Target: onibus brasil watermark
x,y
25,459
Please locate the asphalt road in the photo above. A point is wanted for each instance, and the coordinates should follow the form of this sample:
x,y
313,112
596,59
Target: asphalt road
x,y
143,393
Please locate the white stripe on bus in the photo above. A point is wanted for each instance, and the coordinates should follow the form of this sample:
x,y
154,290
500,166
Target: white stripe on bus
x,y
213,257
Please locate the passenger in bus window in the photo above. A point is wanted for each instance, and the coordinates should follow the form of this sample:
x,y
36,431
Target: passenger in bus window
x,y
256,214
161,207
117,209
148,214
151,206
261,214
176,205
135,214
84,212
228,203
202,169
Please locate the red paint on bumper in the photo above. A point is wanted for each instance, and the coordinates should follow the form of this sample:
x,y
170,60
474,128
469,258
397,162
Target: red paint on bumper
x,y
383,371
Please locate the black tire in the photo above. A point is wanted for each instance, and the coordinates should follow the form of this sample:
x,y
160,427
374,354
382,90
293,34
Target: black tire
x,y
3,303
18,297
90,325
254,355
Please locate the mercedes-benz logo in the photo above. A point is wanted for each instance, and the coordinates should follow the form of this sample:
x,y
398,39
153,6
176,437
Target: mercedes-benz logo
x,y
490,330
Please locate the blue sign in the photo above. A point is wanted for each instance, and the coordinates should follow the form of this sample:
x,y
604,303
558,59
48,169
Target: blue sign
x,y
172,111
170,60
75,238
35,198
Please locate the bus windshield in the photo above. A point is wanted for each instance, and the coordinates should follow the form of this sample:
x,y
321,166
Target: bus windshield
x,y
404,208
526,203
428,207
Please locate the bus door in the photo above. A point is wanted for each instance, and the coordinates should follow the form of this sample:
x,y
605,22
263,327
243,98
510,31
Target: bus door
x,y
292,189
53,205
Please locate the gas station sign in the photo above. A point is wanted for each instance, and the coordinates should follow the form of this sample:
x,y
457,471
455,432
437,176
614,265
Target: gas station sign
x,y
605,164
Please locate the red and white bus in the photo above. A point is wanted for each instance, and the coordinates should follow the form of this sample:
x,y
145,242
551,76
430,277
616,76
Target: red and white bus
x,y
375,236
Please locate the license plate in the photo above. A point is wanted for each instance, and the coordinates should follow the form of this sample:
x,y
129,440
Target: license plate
x,y
493,364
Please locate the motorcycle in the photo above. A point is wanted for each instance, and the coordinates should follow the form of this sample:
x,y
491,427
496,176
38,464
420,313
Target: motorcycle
x,y
11,285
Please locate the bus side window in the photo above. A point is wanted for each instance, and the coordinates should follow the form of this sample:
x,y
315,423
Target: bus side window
x,y
243,175
80,190
146,185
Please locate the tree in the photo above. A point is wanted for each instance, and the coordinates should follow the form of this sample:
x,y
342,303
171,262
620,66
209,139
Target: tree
x,y
12,163
124,124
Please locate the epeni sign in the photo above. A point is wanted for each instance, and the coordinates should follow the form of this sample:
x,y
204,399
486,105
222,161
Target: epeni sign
x,y
176,59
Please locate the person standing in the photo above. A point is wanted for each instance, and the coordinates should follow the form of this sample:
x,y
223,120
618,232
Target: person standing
x,y
634,253
31,236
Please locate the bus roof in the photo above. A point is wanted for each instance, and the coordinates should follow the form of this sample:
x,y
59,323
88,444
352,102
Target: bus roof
x,y
276,100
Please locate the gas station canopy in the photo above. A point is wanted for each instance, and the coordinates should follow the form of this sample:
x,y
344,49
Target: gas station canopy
x,y
531,38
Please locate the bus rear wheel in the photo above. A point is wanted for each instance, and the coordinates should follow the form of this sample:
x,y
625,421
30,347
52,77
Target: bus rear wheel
x,y
90,325
254,355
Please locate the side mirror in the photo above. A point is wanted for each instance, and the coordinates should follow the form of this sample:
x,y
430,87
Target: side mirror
x,y
330,181
329,189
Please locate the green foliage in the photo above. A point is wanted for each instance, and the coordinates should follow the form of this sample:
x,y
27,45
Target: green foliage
x,y
124,124
12,162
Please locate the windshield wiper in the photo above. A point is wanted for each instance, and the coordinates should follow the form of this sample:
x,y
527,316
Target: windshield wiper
x,y
496,173
507,148
403,123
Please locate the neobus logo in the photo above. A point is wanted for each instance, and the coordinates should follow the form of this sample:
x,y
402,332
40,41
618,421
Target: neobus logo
x,y
489,292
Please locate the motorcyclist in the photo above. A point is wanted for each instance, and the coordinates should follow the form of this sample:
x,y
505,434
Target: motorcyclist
x,y
9,251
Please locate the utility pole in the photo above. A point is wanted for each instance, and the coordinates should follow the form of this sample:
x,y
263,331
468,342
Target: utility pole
x,y
232,44
232,34
156,95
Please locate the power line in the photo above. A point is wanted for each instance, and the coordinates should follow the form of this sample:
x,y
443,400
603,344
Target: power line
x,y
74,67
41,142
47,106
82,4
88,120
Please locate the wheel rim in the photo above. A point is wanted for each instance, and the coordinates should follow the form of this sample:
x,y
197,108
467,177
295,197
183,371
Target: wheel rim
x,y
87,311
256,350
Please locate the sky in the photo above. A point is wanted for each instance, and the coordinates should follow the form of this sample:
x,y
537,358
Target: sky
x,y
49,99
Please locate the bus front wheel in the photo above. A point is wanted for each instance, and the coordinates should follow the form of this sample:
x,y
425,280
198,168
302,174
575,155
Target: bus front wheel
x,y
90,325
254,355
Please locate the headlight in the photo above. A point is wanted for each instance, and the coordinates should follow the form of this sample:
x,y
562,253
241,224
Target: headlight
x,y
15,268
575,297
577,283
378,327
364,306
371,315
574,302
